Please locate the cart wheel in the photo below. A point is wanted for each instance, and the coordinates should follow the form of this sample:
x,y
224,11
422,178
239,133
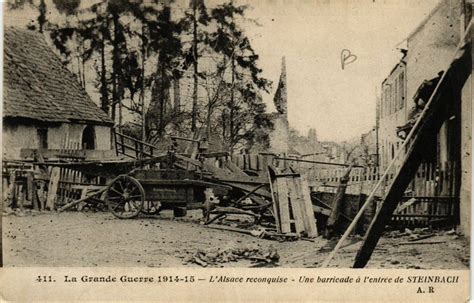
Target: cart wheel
x,y
179,212
125,196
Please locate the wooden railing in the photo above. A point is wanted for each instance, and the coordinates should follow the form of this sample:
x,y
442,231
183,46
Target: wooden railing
x,y
133,148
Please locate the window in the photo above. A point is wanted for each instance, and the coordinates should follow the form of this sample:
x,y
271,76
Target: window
x,y
395,95
42,138
401,90
390,99
88,138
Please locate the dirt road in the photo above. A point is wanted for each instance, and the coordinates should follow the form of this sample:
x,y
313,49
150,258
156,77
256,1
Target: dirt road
x,y
99,239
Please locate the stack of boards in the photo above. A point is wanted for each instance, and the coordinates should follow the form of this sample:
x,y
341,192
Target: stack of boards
x,y
292,206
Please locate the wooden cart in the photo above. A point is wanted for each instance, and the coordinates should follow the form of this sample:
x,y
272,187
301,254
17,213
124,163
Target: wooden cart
x,y
150,191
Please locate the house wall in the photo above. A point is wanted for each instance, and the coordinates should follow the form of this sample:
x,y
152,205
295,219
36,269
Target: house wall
x,y
431,47
392,113
17,136
466,158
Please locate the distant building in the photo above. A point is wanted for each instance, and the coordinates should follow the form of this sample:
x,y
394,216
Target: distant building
x,y
44,106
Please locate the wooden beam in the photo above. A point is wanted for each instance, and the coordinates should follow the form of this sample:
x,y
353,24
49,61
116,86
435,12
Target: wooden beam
x,y
316,162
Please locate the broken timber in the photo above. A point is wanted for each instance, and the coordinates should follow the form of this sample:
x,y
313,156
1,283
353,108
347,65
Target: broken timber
x,y
83,199
337,203
292,206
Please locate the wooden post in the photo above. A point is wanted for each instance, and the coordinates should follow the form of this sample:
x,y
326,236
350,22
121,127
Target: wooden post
x,y
11,188
53,187
282,193
21,196
276,210
337,203
31,186
309,220
295,201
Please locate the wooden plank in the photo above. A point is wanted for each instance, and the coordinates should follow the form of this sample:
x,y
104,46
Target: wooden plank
x,y
253,159
4,188
21,196
11,188
307,206
41,198
29,186
282,191
84,192
276,209
295,202
53,187
235,169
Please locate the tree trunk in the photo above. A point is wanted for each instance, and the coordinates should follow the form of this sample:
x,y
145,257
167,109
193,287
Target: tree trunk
x,y
104,92
79,74
195,67
208,121
177,96
162,101
83,64
231,109
142,95
116,73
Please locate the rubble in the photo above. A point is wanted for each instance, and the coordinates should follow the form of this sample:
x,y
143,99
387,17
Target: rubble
x,y
232,253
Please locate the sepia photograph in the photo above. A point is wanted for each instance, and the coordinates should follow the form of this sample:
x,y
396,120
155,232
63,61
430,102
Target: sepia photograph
x,y
237,134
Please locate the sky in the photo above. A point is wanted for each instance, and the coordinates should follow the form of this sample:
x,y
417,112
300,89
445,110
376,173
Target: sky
x,y
339,104
311,34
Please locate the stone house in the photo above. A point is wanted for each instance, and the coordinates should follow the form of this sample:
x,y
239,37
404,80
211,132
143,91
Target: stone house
x,y
44,106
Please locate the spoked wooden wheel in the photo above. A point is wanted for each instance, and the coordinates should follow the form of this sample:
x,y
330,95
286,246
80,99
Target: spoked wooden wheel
x,y
125,196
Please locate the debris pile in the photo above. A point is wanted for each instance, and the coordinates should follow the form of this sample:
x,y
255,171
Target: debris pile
x,y
233,253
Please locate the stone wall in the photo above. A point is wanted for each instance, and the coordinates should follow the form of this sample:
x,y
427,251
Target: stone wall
x,y
432,44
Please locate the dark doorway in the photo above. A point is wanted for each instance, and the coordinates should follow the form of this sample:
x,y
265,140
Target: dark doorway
x,y
88,138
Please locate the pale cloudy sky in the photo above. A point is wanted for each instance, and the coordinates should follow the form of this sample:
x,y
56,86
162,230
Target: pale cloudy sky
x,y
339,104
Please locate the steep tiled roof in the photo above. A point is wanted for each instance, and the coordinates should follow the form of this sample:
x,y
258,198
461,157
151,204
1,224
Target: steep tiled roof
x,y
36,85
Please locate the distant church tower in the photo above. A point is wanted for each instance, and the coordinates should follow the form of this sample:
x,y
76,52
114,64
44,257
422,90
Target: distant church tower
x,y
279,137
281,95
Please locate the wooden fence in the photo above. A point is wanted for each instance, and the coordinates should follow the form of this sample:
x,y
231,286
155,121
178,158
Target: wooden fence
x,y
43,187
430,199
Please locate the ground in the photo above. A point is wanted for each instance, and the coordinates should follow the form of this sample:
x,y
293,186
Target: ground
x,y
99,239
